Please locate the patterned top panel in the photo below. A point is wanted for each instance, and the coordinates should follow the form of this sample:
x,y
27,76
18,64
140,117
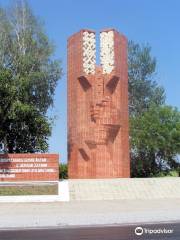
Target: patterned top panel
x,y
107,51
89,52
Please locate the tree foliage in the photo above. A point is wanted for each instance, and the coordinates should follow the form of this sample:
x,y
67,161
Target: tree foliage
x,y
143,89
28,78
154,127
155,140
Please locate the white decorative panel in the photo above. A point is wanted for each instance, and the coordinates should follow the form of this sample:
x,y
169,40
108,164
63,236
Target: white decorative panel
x,y
89,52
107,51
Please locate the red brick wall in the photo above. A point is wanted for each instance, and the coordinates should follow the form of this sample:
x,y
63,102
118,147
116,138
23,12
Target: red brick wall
x,y
29,167
98,137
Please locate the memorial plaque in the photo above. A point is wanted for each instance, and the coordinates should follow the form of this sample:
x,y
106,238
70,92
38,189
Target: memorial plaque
x,y
29,167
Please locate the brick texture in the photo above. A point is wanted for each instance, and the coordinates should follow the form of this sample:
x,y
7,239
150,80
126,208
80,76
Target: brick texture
x,y
29,167
98,138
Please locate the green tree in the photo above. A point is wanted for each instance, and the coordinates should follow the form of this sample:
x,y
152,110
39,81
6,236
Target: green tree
x,y
143,89
28,79
155,141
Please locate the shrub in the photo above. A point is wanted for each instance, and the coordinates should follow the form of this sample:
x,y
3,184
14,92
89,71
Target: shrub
x,y
63,171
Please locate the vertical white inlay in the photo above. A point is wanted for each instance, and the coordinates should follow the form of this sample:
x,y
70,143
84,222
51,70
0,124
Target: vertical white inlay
x,y
89,52
107,51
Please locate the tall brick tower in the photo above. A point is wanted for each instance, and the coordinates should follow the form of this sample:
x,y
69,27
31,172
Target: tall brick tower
x,y
98,138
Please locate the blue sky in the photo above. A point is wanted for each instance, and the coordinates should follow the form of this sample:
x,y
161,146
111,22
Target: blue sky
x,y
144,21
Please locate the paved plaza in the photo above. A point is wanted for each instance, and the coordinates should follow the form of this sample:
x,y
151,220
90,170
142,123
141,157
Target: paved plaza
x,y
98,202
59,214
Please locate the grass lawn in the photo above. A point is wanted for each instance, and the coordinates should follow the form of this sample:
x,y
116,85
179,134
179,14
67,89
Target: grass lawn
x,y
14,190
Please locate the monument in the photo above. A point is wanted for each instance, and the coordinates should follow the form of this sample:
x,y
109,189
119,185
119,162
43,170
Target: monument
x,y
98,138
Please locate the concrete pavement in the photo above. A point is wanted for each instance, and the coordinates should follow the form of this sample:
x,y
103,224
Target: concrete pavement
x,y
96,202
75,213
